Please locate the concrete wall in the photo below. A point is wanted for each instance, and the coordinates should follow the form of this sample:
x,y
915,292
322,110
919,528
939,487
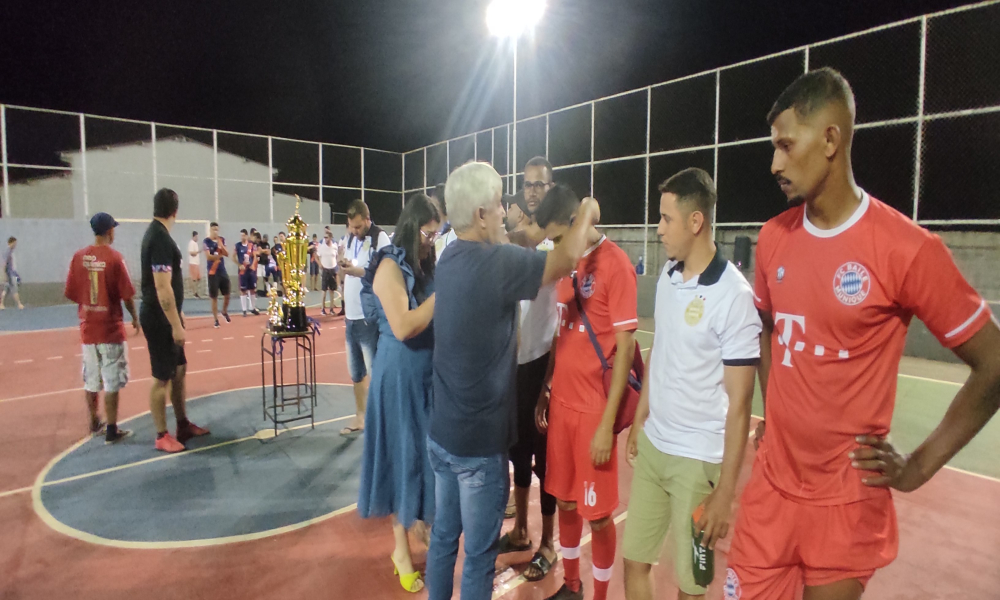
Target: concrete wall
x,y
976,253
119,180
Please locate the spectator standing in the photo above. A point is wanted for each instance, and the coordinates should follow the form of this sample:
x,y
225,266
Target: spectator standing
x,y
12,279
363,240
98,282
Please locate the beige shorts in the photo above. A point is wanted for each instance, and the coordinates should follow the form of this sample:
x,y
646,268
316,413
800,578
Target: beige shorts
x,y
666,489
105,366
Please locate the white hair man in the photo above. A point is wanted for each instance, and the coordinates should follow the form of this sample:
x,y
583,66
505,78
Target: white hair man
x,y
478,284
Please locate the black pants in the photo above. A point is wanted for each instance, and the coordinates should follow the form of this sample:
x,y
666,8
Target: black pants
x,y
531,442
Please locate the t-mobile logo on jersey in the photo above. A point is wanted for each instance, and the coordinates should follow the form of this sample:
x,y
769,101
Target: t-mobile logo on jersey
x,y
786,324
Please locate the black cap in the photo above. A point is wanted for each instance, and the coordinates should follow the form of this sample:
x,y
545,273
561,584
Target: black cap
x,y
102,223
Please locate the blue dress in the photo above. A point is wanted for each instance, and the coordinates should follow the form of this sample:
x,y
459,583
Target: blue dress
x,y
396,477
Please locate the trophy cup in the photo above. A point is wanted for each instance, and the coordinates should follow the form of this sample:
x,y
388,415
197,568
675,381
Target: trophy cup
x,y
275,314
293,260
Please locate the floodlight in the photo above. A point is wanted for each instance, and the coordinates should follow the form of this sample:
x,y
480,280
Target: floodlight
x,y
511,18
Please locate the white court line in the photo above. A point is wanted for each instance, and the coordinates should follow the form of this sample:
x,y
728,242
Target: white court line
x,y
23,362
135,348
216,369
227,338
202,351
78,355
249,337
54,358
206,341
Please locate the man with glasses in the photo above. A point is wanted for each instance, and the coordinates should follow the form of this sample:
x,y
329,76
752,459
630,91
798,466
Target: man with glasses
x,y
538,320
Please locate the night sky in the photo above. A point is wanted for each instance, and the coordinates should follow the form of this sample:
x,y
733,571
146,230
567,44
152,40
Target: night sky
x,y
386,74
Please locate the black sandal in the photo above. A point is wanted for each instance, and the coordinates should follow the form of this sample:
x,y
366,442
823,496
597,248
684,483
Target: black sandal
x,y
542,564
507,546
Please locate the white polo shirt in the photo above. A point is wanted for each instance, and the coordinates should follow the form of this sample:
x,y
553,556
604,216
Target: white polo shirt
x,y
359,251
539,319
701,325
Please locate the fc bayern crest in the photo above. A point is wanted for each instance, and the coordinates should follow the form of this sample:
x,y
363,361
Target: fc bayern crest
x,y
851,283
587,285
731,589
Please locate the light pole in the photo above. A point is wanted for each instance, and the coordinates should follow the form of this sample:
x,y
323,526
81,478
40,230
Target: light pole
x,y
508,20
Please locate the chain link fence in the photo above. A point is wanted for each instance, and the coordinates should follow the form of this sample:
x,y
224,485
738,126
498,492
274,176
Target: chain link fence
x,y
62,165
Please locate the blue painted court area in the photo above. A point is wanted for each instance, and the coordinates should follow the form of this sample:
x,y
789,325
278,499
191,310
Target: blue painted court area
x,y
237,481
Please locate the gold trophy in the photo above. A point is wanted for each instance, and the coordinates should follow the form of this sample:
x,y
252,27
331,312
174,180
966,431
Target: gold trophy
x,y
292,260
275,314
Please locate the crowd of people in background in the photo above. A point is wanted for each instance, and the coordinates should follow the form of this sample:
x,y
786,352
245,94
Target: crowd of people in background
x,y
486,332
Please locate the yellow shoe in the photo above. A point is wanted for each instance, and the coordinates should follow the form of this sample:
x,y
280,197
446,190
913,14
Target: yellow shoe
x,y
411,582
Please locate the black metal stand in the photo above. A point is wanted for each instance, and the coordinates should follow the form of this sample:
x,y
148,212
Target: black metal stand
x,y
302,393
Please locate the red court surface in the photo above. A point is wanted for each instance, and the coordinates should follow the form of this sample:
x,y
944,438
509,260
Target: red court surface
x,y
950,529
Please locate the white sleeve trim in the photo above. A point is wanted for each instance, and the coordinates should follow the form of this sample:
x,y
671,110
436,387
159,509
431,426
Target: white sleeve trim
x,y
619,323
969,321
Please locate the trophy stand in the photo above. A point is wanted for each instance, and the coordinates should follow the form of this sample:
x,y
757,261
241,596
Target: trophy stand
x,y
287,322
298,394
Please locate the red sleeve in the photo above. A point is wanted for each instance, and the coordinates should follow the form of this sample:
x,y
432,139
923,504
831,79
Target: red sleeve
x,y
622,297
936,292
761,295
125,289
72,291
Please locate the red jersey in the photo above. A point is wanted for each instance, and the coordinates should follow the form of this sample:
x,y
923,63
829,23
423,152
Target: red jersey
x,y
607,284
841,301
98,281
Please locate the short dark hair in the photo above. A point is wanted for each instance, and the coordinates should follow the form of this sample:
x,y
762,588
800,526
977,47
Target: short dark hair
x,y
244,231
213,224
194,233
558,206
695,189
539,161
165,203
11,240
358,207
438,194
811,92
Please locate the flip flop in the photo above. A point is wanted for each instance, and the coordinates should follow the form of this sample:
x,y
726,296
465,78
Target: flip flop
x,y
507,546
350,430
542,564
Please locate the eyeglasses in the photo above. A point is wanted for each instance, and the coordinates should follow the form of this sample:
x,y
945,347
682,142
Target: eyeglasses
x,y
430,237
536,185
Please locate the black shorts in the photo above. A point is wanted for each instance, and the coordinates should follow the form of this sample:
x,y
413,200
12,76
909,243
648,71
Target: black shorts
x,y
329,280
216,284
164,355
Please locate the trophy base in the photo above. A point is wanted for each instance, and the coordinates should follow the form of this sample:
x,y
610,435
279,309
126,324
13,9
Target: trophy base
x,y
295,319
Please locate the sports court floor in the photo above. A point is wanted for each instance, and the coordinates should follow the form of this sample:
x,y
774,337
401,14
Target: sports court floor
x,y
245,515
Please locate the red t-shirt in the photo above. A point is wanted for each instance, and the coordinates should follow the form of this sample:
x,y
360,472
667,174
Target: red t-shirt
x,y
608,292
841,301
98,281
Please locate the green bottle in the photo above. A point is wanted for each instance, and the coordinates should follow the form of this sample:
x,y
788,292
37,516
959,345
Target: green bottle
x,y
702,559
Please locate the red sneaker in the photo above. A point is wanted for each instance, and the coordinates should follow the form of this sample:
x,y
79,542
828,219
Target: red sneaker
x,y
186,432
169,444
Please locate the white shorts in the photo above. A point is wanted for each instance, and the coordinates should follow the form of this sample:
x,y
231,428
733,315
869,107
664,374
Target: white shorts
x,y
107,364
261,271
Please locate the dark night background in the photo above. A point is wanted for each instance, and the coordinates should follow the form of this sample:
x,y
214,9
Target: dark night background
x,y
385,74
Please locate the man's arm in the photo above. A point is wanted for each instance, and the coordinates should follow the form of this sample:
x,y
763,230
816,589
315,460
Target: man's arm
x,y
542,407
641,414
718,506
973,406
560,262
600,446
165,294
764,369
130,307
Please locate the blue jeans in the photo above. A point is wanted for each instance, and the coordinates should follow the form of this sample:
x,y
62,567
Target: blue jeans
x,y
471,495
361,338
